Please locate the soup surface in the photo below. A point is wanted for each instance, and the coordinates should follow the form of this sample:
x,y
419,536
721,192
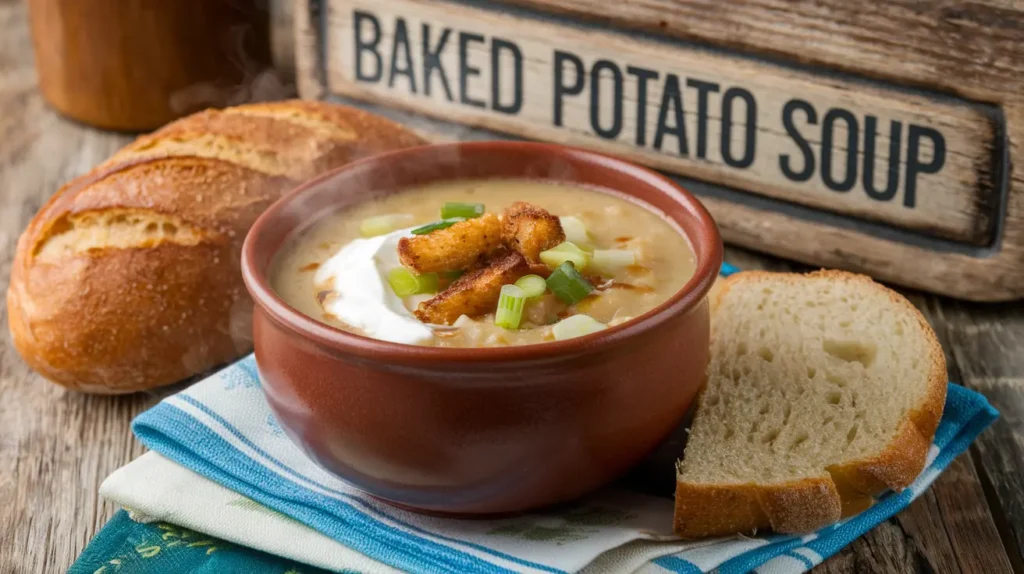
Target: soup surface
x,y
351,269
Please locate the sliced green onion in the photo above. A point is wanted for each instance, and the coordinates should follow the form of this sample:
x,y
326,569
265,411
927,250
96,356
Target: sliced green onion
x,y
611,261
428,283
510,307
574,230
576,326
568,285
566,251
404,283
443,224
532,285
459,209
381,224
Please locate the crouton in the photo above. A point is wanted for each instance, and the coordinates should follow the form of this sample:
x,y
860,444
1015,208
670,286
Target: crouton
x,y
529,230
474,293
455,248
540,269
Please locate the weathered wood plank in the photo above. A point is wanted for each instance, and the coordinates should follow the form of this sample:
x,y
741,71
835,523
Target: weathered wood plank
x,y
967,528
986,343
964,514
55,446
735,120
938,42
884,549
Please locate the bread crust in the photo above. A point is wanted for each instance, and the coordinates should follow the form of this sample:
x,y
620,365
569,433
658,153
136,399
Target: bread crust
x,y
184,320
703,510
127,317
804,506
295,139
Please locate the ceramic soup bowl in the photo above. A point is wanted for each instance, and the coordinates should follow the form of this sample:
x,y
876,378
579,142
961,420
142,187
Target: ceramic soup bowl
x,y
474,431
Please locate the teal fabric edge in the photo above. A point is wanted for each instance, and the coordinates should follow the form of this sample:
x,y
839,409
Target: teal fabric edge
x,y
125,546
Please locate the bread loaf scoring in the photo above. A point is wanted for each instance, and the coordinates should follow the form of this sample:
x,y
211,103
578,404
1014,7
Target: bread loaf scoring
x,y
128,277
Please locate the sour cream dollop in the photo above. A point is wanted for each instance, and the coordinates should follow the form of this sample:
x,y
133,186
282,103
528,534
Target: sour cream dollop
x,y
363,299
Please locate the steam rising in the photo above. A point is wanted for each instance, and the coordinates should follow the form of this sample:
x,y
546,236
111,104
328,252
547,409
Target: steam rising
x,y
259,82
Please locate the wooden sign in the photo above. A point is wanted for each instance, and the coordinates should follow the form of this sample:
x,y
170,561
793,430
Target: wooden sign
x,y
907,184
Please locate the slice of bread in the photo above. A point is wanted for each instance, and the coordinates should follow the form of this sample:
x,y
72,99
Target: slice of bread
x,y
823,390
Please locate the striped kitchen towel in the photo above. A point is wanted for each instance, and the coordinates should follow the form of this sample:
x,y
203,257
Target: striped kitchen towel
x,y
217,442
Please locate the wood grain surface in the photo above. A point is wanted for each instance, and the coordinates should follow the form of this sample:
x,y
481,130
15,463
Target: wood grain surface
x,y
57,446
937,41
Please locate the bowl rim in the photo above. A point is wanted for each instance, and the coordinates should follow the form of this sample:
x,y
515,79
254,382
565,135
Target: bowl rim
x,y
689,296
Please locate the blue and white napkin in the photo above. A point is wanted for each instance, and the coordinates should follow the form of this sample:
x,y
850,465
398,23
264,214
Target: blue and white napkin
x,y
218,443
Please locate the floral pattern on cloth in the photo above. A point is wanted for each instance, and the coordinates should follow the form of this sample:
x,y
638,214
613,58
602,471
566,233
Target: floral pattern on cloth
x,y
128,547
563,525
241,375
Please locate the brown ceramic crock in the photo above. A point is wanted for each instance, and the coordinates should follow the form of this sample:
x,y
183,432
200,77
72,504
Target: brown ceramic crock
x,y
489,430
135,65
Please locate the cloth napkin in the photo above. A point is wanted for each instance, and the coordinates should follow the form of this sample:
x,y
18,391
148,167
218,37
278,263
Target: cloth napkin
x,y
126,546
221,465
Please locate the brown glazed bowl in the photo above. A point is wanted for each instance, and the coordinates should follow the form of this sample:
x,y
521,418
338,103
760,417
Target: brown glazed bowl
x,y
491,430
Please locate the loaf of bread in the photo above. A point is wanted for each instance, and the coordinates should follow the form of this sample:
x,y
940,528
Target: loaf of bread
x,y
823,391
128,278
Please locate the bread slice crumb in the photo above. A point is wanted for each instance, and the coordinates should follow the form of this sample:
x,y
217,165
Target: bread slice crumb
x,y
823,391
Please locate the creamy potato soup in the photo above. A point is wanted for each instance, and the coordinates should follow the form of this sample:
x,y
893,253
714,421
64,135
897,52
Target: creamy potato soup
x,y
484,263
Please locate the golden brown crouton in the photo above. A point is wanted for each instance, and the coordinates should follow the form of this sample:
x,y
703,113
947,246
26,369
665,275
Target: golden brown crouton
x,y
540,269
452,249
530,229
474,293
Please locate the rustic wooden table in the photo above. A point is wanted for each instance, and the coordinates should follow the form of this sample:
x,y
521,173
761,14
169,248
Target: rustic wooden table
x,y
57,446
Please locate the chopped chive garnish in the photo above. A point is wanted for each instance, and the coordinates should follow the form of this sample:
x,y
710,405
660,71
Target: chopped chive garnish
x,y
510,307
568,285
459,209
443,224
404,283
381,224
532,285
566,251
576,326
611,261
574,230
